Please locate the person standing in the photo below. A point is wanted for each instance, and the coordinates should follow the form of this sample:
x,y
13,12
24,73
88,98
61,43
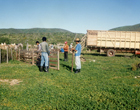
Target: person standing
x,y
38,46
66,48
77,55
44,55
38,53
71,46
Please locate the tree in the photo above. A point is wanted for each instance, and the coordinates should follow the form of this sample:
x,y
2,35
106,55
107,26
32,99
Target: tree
x,y
6,40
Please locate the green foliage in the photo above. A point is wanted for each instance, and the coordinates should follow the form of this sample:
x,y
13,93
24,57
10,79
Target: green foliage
x,y
6,40
55,37
106,83
33,30
135,66
128,28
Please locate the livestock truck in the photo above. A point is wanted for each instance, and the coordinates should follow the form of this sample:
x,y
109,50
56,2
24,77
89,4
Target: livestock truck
x,y
112,42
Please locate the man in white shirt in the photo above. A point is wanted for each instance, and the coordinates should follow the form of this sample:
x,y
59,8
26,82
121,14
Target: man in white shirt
x,y
38,46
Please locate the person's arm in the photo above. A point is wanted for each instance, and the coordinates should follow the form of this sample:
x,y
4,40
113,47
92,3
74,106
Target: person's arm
x,y
76,49
47,49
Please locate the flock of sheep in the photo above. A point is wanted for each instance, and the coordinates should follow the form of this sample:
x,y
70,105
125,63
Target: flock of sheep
x,y
14,46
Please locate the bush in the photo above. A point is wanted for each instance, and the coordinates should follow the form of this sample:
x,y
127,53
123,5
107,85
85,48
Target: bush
x,y
135,66
6,40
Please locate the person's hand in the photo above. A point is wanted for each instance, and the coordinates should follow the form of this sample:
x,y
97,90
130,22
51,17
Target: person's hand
x,y
72,49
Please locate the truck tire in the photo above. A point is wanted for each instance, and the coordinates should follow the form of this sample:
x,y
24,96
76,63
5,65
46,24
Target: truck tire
x,y
110,53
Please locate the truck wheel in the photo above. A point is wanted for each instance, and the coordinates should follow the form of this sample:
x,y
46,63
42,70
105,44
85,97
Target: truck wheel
x,y
110,53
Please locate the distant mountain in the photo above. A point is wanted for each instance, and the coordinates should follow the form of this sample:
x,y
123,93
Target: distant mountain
x,y
128,28
32,30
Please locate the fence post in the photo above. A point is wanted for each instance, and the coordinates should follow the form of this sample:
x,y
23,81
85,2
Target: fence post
x,y
19,55
72,61
7,54
16,55
58,59
32,57
11,54
0,55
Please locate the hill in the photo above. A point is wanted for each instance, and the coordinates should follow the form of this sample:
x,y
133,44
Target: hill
x,y
128,28
32,30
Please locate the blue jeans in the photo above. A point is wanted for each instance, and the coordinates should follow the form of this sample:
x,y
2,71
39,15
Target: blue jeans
x,y
44,58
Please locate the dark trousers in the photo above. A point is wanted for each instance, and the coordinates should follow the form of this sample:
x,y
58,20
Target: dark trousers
x,y
66,56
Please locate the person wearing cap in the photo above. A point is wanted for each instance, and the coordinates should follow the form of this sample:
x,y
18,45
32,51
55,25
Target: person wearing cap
x,y
77,55
66,48
44,55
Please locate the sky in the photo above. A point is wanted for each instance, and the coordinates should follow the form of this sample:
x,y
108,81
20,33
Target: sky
x,y
74,15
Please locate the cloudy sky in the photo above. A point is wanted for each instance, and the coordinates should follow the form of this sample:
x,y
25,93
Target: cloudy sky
x,y
73,15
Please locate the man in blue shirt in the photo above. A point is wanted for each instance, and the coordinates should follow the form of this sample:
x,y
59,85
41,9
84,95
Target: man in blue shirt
x,y
77,55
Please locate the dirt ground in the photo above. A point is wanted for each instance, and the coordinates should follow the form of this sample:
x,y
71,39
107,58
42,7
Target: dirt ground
x,y
11,81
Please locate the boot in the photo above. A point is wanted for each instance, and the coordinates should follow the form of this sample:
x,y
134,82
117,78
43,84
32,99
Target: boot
x,y
41,68
46,69
76,71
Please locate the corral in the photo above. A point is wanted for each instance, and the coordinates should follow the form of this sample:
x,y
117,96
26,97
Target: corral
x,y
33,57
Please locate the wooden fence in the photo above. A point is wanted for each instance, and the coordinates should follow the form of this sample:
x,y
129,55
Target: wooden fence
x,y
7,54
54,59
31,56
34,57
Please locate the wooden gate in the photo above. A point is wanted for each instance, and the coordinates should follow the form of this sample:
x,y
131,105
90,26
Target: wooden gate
x,y
34,57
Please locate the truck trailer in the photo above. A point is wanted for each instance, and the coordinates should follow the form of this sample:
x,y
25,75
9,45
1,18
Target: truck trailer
x,y
112,42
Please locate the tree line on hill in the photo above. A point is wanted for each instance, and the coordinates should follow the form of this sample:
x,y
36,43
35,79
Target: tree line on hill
x,y
31,38
128,28
54,35
32,30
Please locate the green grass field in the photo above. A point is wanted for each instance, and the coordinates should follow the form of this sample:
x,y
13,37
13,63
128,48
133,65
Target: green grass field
x,y
104,83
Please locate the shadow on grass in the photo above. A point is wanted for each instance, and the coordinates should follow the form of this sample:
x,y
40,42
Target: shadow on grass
x,y
61,59
97,54
67,67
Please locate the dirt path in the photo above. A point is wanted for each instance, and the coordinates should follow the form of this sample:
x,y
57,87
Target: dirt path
x,y
11,81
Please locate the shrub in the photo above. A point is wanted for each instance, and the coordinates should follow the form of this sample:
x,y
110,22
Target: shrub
x,y
135,66
6,40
